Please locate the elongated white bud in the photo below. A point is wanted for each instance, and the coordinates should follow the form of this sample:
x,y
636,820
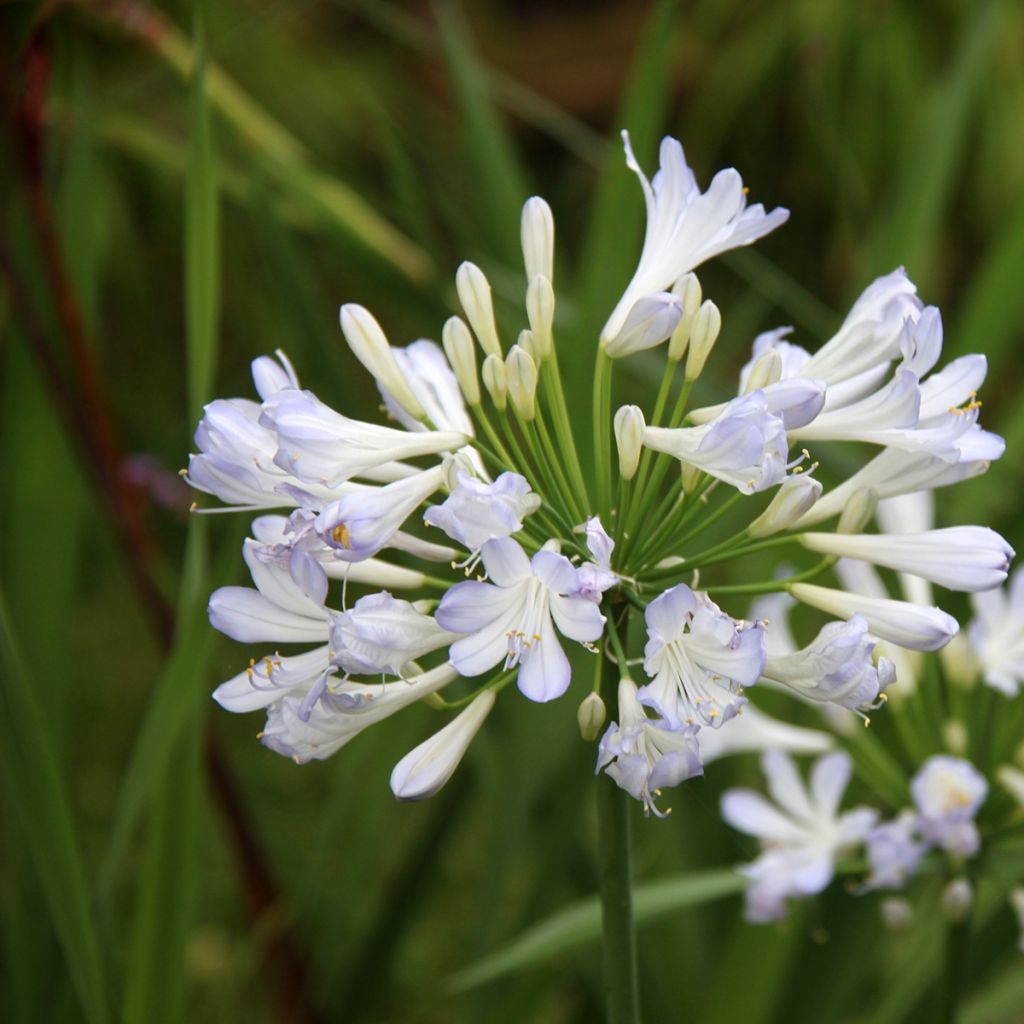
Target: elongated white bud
x,y
767,369
649,323
521,380
458,347
967,558
493,373
690,476
902,623
707,324
689,291
858,511
629,438
370,346
540,309
424,770
591,715
537,232
475,295
794,497
957,900
527,341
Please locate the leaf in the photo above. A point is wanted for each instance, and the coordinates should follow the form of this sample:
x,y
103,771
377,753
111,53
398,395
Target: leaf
x,y
580,925
29,761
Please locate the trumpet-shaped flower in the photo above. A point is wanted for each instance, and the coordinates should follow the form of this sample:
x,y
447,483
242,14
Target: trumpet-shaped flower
x,y
745,445
996,635
685,226
512,619
836,666
594,578
645,755
698,659
476,512
948,792
803,833
894,850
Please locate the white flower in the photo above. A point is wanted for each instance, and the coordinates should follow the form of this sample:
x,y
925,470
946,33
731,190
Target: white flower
x,y
795,496
909,625
745,445
836,666
476,512
803,833
307,734
894,851
594,578
685,227
383,634
698,658
645,755
961,557
948,792
365,519
426,768
513,618
318,445
650,322
996,635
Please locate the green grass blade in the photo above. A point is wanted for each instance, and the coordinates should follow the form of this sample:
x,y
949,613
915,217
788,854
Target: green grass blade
x,y
165,896
29,761
910,233
580,924
501,189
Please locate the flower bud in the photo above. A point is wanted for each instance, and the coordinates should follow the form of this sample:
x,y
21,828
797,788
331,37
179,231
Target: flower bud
x,y
689,292
954,733
629,435
707,324
591,715
493,373
458,347
897,913
957,899
527,341
649,323
537,232
475,295
858,511
767,369
1012,780
690,477
424,770
540,309
371,348
795,496
521,378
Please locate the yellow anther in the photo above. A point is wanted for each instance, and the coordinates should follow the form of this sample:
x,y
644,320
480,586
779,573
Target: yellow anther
x,y
183,473
342,536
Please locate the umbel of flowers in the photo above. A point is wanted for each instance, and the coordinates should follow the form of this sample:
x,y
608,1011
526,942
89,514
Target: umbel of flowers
x,y
461,546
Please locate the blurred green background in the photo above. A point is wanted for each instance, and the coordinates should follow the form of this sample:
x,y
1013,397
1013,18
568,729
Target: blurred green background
x,y
157,863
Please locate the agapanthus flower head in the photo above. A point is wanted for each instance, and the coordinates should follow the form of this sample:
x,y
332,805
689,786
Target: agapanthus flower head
x,y
369,529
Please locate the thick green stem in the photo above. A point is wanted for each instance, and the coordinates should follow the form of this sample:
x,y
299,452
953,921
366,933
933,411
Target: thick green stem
x,y
622,994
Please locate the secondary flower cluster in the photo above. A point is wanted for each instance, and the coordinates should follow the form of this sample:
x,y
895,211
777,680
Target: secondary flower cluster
x,y
480,474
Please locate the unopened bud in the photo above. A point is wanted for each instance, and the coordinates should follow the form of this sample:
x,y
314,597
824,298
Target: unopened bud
x,y
370,346
528,343
897,913
493,373
629,438
649,323
690,477
767,369
540,309
858,511
521,380
458,347
957,899
795,496
475,295
1012,780
591,715
954,732
537,232
689,292
707,324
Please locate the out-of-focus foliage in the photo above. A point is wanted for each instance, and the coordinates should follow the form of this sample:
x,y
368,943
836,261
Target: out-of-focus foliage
x,y
357,151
